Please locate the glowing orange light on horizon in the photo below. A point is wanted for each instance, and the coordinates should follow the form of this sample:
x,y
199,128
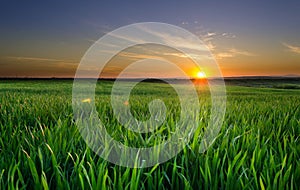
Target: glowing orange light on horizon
x,y
201,75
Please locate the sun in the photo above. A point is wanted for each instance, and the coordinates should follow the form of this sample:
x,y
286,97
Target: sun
x,y
201,75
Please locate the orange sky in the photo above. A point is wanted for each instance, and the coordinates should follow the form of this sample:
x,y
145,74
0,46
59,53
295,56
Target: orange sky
x,y
254,38
233,63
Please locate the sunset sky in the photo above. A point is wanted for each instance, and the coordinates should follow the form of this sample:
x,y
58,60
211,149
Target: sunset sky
x,y
48,39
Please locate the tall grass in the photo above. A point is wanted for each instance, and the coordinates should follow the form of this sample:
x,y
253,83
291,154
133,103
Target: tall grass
x,y
40,147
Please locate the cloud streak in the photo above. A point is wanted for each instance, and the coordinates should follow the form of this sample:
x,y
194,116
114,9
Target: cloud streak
x,y
233,53
292,48
37,59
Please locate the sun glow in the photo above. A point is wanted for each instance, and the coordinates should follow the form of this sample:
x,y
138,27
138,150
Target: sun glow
x,y
201,75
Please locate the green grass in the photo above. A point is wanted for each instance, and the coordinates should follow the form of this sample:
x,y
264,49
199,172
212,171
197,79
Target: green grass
x,y
258,146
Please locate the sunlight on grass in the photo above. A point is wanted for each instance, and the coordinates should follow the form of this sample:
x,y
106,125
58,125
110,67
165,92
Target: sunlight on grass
x,y
41,148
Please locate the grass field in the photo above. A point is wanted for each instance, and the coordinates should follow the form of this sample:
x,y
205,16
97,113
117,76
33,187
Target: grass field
x,y
258,146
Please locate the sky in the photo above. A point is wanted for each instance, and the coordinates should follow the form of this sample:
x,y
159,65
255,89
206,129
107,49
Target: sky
x,y
48,39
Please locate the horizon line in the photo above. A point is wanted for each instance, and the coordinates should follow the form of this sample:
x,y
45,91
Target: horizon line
x,y
153,78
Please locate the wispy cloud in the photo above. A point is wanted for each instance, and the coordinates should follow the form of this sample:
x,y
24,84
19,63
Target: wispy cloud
x,y
59,63
241,52
292,48
210,34
34,59
172,38
211,38
184,23
207,36
228,35
233,53
211,46
224,55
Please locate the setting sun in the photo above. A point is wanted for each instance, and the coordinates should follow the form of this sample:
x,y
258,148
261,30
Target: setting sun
x,y
201,75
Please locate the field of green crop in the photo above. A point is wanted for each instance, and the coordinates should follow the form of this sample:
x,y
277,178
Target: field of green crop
x,y
258,146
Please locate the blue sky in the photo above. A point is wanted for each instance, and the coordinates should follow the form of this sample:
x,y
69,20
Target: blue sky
x,y
247,38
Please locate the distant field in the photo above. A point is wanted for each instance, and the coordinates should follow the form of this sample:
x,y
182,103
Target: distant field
x,y
266,82
258,146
